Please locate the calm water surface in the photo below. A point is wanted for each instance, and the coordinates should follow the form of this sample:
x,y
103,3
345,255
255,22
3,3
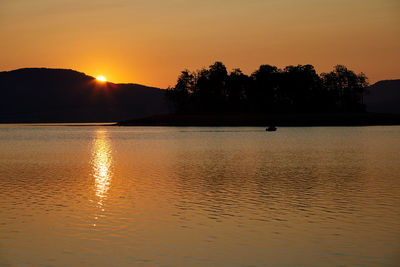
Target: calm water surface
x,y
113,196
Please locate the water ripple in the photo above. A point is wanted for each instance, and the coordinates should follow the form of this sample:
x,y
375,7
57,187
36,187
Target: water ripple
x,y
190,196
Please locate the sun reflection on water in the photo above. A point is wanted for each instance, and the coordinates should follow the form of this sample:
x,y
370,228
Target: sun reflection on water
x,y
102,163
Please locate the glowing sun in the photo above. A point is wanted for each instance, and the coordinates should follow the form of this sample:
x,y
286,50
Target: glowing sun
x,y
101,78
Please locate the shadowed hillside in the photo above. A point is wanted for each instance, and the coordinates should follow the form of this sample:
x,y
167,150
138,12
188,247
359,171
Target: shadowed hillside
x,y
383,97
59,95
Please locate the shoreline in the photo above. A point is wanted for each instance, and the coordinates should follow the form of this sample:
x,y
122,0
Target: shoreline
x,y
240,120
264,120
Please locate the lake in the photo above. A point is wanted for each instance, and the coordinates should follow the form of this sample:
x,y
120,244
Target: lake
x,y
187,196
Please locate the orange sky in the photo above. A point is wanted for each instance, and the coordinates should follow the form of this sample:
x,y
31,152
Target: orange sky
x,y
150,41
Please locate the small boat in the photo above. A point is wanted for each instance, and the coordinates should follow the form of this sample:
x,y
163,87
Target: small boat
x,y
271,128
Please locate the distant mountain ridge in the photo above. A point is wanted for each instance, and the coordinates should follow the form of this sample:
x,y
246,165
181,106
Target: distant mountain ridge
x,y
383,97
64,95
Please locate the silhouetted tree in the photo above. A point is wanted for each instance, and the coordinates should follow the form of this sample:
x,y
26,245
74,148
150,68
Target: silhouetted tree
x,y
263,92
299,88
210,91
237,87
269,89
345,88
180,94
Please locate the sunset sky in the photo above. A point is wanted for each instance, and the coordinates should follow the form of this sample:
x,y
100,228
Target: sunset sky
x,y
150,41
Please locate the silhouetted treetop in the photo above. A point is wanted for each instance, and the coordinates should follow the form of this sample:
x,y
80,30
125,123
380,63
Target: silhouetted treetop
x,y
268,89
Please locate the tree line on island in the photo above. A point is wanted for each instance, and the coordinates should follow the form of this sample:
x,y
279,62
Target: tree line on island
x,y
294,89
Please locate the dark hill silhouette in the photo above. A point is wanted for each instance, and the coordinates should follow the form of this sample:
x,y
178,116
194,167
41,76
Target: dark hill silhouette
x,y
60,95
383,97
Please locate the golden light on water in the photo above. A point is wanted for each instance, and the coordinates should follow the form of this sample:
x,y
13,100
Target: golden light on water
x,y
101,78
101,162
